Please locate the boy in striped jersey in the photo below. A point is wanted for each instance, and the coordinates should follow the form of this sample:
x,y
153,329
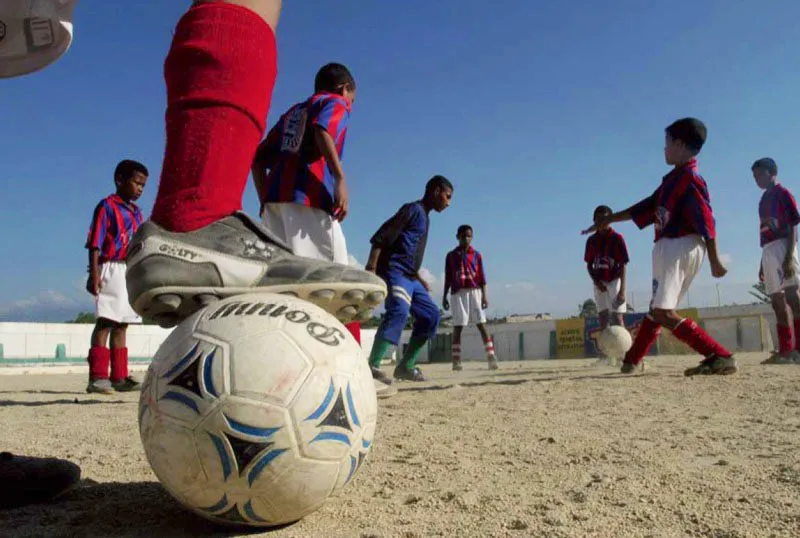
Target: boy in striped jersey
x,y
464,276
606,257
116,218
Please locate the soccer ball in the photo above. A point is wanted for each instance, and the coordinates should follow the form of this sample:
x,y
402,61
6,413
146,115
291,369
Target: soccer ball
x,y
257,409
614,341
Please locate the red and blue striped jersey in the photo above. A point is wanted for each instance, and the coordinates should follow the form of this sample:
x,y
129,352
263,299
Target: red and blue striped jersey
x,y
680,206
777,212
606,254
113,225
463,269
298,173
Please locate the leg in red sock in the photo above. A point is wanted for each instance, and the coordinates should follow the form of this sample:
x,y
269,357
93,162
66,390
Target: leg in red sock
x,y
691,334
99,360
220,73
120,379
119,364
645,338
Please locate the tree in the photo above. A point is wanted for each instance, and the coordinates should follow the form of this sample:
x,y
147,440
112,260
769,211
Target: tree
x,y
760,293
588,309
84,317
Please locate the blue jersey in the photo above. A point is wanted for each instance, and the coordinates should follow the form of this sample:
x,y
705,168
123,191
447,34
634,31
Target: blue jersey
x,y
402,240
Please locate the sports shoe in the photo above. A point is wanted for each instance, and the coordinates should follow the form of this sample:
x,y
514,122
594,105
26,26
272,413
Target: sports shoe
x,y
713,365
777,358
128,384
493,364
99,386
457,366
25,480
378,375
172,275
382,390
630,367
414,374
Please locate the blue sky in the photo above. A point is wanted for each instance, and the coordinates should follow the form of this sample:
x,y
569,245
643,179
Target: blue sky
x,y
538,111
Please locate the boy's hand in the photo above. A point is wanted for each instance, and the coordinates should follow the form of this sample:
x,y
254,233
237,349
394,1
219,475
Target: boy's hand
x,y
788,268
620,298
341,200
446,303
590,229
93,284
484,302
600,286
717,269
761,273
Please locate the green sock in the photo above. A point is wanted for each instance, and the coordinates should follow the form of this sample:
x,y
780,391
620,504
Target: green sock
x,y
380,348
415,346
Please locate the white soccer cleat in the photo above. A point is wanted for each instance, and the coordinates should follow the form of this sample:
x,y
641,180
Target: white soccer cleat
x,y
33,34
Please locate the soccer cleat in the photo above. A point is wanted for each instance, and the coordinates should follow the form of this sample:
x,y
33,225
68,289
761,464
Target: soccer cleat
x,y
630,367
457,366
128,384
172,275
25,480
777,358
99,386
414,374
382,390
378,375
493,364
713,365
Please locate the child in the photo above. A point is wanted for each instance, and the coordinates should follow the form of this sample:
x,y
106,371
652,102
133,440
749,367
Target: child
x,y
116,219
779,218
299,177
463,274
606,258
396,256
680,211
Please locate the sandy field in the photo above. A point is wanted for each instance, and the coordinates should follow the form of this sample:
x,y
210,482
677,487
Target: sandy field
x,y
539,448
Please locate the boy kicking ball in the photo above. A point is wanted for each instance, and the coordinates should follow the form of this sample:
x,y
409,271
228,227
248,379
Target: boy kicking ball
x,y
464,275
680,210
778,215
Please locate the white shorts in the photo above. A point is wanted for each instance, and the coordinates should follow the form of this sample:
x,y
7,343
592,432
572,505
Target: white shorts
x,y
112,300
309,232
607,300
772,256
676,261
33,34
466,307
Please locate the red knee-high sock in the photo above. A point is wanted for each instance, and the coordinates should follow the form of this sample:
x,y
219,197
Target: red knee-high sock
x,y
785,339
119,363
355,329
691,334
99,359
220,72
645,338
796,335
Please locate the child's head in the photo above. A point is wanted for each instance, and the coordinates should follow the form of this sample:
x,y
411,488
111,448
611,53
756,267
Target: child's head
x,y
130,178
684,140
601,212
464,235
438,192
765,172
336,78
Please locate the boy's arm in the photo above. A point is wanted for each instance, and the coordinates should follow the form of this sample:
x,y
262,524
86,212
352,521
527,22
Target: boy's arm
x,y
788,262
265,155
93,283
482,283
94,242
623,280
372,261
327,147
447,283
642,213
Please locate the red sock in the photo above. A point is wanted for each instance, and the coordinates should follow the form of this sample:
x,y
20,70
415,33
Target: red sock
x,y
691,334
119,363
645,338
355,329
99,359
220,72
796,334
785,339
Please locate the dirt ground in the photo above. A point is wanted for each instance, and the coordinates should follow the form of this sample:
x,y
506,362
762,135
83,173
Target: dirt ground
x,y
538,448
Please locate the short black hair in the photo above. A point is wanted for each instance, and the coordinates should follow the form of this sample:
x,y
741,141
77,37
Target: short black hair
x,y
768,164
602,210
331,77
463,228
691,131
126,168
435,182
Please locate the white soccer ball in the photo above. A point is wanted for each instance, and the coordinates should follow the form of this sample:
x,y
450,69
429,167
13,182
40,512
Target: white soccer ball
x,y
614,341
257,409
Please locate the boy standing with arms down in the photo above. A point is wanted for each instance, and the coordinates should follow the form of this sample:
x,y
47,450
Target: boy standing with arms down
x,y
778,216
606,257
680,211
116,218
464,275
396,256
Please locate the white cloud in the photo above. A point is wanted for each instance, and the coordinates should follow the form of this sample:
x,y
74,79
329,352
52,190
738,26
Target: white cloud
x,y
47,305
